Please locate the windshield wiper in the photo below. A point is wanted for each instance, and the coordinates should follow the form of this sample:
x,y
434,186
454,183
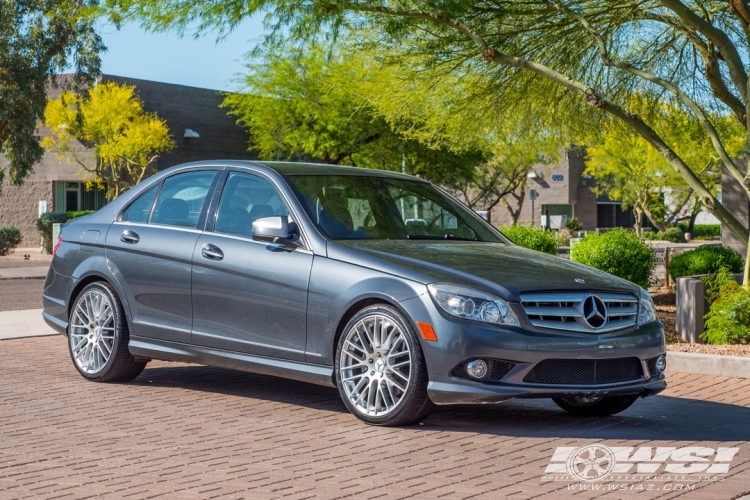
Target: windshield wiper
x,y
444,237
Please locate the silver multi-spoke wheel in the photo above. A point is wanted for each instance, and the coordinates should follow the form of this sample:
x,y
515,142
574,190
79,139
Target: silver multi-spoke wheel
x,y
92,333
375,365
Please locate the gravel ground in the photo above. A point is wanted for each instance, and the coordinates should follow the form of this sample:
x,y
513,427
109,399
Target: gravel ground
x,y
17,295
664,300
724,350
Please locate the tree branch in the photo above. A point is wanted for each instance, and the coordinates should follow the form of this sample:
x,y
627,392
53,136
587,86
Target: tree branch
x,y
718,38
592,99
667,85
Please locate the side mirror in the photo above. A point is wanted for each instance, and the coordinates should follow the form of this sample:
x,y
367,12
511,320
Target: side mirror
x,y
274,229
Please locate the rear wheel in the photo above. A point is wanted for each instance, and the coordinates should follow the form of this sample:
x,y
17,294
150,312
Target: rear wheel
x,y
98,336
595,406
380,369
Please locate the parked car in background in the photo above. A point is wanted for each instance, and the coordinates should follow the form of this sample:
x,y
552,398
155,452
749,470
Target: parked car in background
x,y
377,283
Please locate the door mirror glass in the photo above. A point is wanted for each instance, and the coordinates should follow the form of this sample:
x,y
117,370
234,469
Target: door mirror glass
x,y
273,229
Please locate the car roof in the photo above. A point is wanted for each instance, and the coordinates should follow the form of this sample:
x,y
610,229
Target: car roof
x,y
300,168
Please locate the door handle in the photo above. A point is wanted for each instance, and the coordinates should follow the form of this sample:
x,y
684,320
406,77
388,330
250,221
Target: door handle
x,y
212,252
129,236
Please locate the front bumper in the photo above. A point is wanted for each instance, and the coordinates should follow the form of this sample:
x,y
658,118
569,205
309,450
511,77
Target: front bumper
x,y
460,341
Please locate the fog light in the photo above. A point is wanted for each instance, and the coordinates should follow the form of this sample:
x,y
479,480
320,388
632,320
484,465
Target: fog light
x,y
476,368
661,363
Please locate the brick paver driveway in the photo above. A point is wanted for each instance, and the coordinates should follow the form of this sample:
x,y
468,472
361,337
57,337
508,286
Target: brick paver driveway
x,y
184,431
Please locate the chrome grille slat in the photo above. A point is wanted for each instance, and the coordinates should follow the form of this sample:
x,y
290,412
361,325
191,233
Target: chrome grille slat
x,y
564,310
553,311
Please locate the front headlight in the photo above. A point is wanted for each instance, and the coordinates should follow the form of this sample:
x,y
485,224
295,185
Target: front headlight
x,y
646,309
468,303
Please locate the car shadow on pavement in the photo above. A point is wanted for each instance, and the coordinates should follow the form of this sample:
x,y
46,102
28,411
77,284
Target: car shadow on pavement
x,y
662,418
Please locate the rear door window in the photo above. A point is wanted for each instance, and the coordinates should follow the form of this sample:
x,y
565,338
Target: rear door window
x,y
182,198
140,209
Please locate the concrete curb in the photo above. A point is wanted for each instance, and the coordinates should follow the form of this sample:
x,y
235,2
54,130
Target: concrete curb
x,y
9,273
20,324
708,364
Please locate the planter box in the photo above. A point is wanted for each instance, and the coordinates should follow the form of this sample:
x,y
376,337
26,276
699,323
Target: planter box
x,y
692,306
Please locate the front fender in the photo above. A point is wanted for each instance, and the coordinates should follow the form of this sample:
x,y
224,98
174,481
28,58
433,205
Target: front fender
x,y
336,287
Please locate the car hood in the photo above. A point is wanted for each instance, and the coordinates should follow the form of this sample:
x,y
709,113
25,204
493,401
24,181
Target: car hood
x,y
506,270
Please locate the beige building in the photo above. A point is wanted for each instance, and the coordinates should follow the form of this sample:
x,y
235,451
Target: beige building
x,y
199,127
563,189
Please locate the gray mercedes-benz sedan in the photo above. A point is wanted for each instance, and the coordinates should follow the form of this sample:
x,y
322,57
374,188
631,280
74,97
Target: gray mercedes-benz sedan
x,y
377,283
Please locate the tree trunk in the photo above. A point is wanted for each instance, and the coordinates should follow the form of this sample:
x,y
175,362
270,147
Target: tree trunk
x,y
658,225
638,213
691,224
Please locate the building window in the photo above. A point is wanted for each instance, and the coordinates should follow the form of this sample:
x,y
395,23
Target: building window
x,y
612,215
558,210
73,196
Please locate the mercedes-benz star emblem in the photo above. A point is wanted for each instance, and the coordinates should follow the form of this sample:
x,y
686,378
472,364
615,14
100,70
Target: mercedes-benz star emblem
x,y
594,311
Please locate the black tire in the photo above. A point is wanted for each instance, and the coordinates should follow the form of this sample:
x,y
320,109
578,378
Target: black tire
x,y
600,408
121,365
414,405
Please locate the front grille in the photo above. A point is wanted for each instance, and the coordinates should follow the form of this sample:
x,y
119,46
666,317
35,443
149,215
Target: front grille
x,y
496,370
576,311
651,364
585,371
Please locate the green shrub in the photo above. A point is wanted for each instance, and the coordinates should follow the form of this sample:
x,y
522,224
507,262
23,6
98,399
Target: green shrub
x,y
617,252
76,214
708,231
44,227
44,224
704,260
574,225
10,238
535,238
728,319
674,234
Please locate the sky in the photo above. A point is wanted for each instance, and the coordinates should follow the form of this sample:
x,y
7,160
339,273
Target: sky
x,y
168,58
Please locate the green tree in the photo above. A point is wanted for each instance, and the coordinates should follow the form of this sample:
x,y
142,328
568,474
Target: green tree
x,y
110,119
302,104
39,38
581,55
629,170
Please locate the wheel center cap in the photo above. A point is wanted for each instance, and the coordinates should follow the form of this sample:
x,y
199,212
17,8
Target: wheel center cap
x,y
380,366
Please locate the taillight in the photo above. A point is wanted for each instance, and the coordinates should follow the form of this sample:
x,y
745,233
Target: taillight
x,y
57,245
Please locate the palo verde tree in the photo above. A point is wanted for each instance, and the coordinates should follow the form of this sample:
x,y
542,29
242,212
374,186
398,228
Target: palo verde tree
x,y
585,54
108,134
39,38
306,104
629,170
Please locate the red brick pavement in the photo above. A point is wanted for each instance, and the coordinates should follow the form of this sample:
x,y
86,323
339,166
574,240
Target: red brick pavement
x,y
185,431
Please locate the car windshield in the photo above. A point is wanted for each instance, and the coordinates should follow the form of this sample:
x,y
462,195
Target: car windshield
x,y
362,207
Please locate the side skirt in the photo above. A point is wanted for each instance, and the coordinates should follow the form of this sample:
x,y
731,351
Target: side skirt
x,y
147,348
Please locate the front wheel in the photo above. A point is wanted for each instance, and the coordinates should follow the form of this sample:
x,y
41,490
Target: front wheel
x,y
380,369
98,336
595,406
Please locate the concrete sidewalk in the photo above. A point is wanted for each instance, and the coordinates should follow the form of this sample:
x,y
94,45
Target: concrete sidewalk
x,y
23,272
18,324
